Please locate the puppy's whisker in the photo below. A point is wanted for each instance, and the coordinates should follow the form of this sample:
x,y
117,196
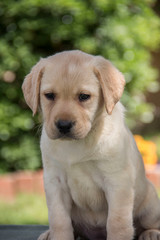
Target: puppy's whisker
x,y
38,128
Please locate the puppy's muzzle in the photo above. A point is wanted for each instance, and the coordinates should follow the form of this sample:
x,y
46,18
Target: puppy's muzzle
x,y
64,126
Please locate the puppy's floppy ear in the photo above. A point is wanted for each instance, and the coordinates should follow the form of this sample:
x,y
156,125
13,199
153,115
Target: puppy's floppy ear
x,y
111,80
31,86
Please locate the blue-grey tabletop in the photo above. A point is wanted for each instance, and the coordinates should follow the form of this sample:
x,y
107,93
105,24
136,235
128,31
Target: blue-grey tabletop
x,y
21,232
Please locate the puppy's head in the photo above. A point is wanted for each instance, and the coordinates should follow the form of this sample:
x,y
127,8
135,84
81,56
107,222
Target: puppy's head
x,y
72,88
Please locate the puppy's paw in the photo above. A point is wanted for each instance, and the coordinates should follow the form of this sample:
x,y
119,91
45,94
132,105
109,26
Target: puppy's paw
x,y
150,235
45,236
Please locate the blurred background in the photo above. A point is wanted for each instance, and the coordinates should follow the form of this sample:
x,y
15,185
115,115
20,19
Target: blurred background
x,y
127,32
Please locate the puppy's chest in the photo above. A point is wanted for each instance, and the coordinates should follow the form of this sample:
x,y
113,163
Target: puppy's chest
x,y
85,188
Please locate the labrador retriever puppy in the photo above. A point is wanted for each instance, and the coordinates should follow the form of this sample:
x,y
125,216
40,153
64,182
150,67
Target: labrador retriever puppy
x,y
94,175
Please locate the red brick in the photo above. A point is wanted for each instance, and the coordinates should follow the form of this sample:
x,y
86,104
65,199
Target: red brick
x,y
38,182
153,174
24,182
7,188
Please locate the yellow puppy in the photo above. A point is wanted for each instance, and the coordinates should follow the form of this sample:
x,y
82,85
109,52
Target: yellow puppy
x,y
94,176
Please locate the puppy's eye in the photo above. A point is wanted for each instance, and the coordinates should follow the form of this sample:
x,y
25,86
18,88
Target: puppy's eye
x,y
50,96
84,97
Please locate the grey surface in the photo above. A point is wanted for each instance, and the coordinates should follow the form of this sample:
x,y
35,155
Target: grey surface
x,y
21,232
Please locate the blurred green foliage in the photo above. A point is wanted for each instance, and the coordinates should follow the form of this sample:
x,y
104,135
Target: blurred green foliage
x,y
25,209
123,31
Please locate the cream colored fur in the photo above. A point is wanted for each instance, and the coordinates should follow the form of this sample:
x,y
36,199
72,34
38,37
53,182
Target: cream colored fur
x,y
95,177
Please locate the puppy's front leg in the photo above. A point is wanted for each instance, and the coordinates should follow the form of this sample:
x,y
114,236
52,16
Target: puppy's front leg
x,y
120,213
59,207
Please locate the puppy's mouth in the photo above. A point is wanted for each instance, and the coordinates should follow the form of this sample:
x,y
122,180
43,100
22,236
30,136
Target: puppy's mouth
x,y
65,132
67,136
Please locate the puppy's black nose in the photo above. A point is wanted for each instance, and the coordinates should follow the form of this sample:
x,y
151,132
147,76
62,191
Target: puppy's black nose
x,y
64,126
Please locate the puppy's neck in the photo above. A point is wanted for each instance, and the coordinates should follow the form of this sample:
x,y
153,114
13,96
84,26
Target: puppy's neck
x,y
95,133
106,126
